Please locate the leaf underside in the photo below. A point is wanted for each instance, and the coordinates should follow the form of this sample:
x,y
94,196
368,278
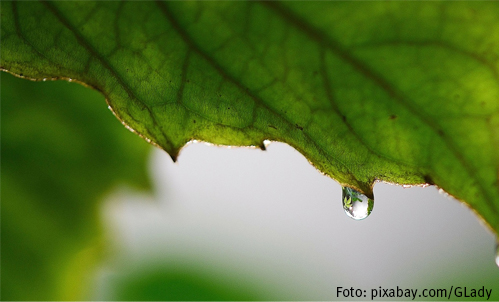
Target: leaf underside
x,y
399,92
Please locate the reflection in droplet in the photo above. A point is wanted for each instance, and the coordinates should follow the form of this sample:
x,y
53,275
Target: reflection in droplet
x,y
357,205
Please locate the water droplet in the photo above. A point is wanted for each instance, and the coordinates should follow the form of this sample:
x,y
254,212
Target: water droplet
x,y
357,205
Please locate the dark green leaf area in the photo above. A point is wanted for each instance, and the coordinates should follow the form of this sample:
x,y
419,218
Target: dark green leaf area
x,y
365,90
61,152
192,282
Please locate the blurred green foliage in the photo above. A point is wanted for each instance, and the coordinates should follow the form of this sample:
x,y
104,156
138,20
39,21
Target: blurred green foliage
x,y
175,280
62,150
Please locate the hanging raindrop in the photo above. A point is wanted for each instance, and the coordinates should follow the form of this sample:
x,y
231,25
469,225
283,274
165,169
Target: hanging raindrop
x,y
356,205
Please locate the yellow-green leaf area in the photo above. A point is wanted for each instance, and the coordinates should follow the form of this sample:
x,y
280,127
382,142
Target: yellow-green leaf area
x,y
399,92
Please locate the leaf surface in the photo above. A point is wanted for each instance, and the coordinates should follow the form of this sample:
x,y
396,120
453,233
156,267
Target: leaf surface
x,y
399,92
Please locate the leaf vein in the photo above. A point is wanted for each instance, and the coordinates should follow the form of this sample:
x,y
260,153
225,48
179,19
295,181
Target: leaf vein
x,y
334,46
184,35
94,53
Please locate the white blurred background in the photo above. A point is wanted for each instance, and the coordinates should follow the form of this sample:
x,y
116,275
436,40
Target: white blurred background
x,y
273,217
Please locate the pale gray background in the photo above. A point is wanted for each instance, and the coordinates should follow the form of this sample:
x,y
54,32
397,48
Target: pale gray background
x,y
272,216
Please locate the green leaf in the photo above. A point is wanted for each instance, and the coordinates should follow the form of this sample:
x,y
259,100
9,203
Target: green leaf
x,y
177,281
61,152
404,92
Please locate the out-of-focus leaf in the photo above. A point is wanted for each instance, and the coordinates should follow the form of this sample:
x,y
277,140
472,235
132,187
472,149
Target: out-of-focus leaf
x,y
171,281
61,152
